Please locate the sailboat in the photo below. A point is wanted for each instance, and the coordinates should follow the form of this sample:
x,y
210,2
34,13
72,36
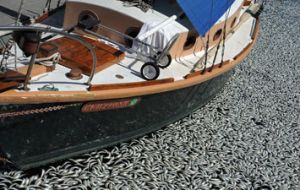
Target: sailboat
x,y
92,73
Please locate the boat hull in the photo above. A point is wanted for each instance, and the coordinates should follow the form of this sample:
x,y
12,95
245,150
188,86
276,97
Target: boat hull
x,y
34,135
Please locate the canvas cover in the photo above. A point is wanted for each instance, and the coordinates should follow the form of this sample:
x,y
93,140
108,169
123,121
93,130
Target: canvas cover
x,y
203,14
158,40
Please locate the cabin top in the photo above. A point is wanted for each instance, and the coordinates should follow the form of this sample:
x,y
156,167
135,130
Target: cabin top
x,y
160,11
126,10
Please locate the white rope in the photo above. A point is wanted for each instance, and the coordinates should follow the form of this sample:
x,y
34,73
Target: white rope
x,y
144,6
49,61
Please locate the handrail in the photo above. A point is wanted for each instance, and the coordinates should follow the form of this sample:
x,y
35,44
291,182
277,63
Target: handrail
x,y
130,50
159,53
130,84
59,32
138,39
123,35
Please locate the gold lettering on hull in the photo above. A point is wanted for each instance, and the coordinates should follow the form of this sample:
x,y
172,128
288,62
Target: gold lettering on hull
x,y
109,105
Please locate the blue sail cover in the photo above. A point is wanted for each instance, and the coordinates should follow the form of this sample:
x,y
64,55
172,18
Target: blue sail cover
x,y
204,13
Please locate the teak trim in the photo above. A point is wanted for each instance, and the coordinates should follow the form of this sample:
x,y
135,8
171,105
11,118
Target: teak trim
x,y
8,85
20,74
247,2
242,52
129,85
15,97
42,17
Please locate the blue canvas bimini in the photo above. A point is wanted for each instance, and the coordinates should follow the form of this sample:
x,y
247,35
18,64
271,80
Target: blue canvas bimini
x,y
204,13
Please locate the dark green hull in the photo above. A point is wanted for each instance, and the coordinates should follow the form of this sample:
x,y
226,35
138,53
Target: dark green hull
x,y
43,133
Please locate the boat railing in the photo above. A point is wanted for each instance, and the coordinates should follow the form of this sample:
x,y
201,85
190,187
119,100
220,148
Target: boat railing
x,y
54,31
161,59
157,57
89,23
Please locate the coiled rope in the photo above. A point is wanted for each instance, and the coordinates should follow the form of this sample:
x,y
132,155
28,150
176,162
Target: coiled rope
x,y
144,5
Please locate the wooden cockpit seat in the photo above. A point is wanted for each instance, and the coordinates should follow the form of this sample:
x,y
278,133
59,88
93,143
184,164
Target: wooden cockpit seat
x,y
20,73
12,79
8,85
76,55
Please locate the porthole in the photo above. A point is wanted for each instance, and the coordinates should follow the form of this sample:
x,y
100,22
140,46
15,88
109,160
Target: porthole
x,y
87,14
233,23
217,35
191,40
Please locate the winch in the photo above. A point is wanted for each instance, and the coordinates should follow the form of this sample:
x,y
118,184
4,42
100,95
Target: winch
x,y
28,41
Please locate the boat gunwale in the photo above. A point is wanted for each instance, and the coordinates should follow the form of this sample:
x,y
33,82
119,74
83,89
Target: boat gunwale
x,y
17,97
